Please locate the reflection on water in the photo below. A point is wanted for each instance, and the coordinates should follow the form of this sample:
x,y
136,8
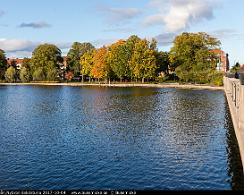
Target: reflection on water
x,y
117,138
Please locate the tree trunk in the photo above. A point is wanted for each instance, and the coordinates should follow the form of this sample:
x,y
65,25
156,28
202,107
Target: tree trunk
x,y
143,80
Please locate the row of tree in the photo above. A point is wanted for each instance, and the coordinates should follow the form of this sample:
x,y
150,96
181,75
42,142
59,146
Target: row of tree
x,y
133,59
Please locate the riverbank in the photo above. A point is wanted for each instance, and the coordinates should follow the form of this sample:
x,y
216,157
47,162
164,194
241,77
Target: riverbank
x,y
165,85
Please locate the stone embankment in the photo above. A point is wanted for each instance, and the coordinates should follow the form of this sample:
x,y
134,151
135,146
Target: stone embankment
x,y
168,85
235,96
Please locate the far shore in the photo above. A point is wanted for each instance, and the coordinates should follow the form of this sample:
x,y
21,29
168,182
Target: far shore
x,y
164,85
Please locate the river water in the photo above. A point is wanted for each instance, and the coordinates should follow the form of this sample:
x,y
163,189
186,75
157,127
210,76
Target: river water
x,y
116,138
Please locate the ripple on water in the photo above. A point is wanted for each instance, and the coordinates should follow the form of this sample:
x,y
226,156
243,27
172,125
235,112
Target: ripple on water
x,y
116,138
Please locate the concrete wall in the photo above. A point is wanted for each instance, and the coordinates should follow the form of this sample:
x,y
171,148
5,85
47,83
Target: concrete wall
x,y
235,96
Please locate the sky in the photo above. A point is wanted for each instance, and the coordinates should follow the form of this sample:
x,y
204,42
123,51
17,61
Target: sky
x,y
24,24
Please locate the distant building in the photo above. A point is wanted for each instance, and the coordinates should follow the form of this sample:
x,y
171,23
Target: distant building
x,y
222,61
16,62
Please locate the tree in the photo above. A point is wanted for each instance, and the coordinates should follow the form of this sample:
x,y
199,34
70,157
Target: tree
x,y
190,56
69,75
100,69
3,64
52,74
10,74
26,63
144,61
39,74
162,61
118,58
73,57
24,74
45,61
87,63
235,68
130,45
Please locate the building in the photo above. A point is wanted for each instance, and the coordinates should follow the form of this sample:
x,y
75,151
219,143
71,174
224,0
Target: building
x,y
16,62
222,61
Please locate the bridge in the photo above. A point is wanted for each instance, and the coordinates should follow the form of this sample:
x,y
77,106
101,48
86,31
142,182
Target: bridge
x,y
234,90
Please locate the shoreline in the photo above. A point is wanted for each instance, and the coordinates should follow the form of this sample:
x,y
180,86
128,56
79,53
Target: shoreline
x,y
166,85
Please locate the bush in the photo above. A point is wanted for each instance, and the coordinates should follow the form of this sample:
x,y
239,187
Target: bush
x,y
217,79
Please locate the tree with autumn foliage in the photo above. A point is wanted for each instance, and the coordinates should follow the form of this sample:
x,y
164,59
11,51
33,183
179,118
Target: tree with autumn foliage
x,y
100,69
69,75
87,62
73,57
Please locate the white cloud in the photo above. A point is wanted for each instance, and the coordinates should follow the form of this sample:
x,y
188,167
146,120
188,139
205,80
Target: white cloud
x,y
10,45
24,48
177,15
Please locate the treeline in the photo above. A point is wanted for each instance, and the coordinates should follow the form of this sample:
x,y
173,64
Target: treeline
x,y
134,59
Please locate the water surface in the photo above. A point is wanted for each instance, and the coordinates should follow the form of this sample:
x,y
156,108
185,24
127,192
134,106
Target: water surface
x,y
116,138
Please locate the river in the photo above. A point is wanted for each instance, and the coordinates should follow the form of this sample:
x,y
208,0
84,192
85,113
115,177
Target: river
x,y
93,138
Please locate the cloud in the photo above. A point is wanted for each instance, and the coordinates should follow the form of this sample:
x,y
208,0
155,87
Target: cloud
x,y
178,15
227,34
34,25
11,45
24,48
165,39
102,42
119,15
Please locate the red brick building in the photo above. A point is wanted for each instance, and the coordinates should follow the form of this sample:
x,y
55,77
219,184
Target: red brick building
x,y
222,61
15,62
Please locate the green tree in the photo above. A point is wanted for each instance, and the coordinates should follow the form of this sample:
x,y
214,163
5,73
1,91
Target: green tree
x,y
25,75
235,68
10,74
73,57
163,63
26,63
144,61
130,45
118,59
190,56
45,60
39,74
3,64
52,74
26,70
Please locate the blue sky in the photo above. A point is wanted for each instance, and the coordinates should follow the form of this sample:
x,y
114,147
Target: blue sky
x,y
26,23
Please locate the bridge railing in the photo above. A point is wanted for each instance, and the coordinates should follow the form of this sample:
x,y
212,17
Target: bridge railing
x,y
235,91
